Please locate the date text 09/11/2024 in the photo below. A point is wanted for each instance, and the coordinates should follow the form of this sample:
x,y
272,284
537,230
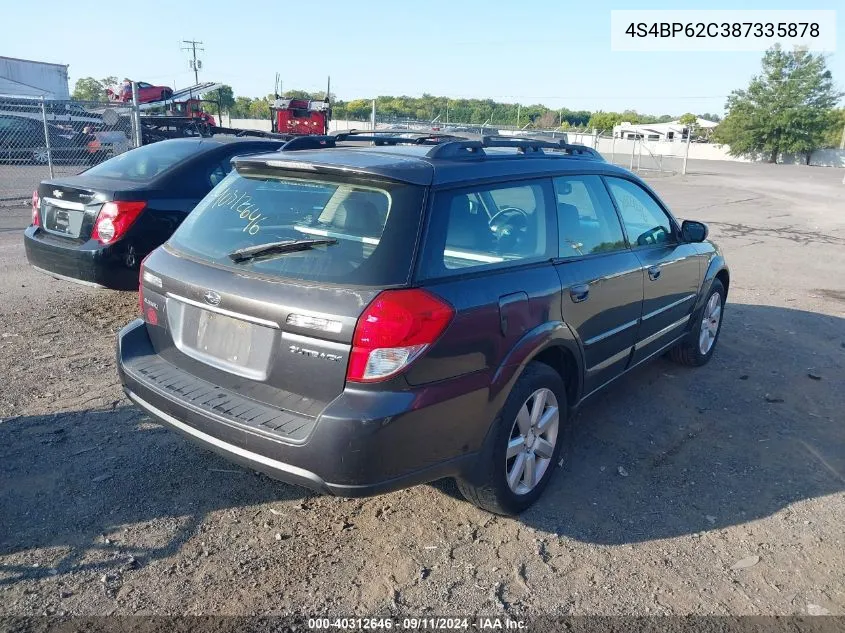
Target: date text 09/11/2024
x,y
416,624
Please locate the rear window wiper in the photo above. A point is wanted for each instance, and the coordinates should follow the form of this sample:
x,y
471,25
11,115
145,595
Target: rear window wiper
x,y
276,248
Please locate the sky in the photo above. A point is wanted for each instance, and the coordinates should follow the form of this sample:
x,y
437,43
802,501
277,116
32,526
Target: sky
x,y
552,52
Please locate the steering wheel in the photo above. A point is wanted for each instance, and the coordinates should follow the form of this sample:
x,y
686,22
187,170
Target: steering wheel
x,y
505,211
509,233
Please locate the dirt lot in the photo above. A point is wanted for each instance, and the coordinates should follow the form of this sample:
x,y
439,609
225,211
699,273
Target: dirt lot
x,y
731,503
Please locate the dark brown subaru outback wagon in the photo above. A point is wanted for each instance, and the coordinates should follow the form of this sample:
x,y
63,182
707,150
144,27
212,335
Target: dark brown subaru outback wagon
x,y
360,319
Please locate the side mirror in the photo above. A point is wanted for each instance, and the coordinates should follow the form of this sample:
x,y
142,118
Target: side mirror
x,y
693,231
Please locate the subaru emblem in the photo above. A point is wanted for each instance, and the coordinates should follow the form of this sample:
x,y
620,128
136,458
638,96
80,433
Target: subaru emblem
x,y
212,298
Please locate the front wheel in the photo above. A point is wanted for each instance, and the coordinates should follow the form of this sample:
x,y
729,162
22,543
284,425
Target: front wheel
x,y
698,348
528,437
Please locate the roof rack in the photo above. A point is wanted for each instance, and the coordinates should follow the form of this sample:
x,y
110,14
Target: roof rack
x,y
313,141
386,131
447,146
466,148
394,137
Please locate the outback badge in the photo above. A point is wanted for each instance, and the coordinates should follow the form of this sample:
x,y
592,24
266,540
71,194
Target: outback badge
x,y
312,353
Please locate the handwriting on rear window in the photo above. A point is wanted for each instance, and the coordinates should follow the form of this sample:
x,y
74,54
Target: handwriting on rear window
x,y
242,204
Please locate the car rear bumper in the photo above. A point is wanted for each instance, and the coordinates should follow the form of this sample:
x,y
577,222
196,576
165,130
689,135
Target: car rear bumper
x,y
363,443
74,261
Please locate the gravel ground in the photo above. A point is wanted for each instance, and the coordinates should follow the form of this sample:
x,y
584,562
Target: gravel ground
x,y
688,491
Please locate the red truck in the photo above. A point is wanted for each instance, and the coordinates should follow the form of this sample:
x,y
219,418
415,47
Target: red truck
x,y
191,108
300,116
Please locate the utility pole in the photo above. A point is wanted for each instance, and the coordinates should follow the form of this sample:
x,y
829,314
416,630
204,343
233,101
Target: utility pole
x,y
194,63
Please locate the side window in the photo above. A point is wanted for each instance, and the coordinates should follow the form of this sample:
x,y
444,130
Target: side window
x,y
646,223
219,171
587,222
489,226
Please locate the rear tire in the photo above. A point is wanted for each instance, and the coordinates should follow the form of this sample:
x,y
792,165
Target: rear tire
x,y
39,157
524,438
697,349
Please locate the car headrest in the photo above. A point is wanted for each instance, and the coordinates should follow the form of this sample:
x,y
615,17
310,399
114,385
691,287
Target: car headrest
x,y
467,230
569,218
359,216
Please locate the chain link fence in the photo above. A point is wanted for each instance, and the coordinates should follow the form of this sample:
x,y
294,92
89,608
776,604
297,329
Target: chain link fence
x,y
42,139
636,154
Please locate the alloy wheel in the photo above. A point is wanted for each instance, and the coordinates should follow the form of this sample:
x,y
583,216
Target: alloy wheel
x,y
532,441
710,323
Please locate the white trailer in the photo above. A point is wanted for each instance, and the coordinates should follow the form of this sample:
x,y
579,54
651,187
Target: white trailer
x,y
27,78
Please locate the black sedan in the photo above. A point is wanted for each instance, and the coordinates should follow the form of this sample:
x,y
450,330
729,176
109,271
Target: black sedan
x,y
22,141
96,227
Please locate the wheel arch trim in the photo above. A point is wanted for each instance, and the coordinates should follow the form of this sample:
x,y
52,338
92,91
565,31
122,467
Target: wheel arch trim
x,y
533,343
715,267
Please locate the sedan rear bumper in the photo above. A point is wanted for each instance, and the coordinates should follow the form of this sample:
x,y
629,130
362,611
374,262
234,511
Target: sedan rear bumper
x,y
80,262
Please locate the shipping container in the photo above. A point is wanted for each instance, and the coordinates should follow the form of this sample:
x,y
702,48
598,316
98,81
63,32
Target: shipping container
x,y
27,78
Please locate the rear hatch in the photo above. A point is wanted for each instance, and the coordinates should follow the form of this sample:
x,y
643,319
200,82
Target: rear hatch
x,y
260,288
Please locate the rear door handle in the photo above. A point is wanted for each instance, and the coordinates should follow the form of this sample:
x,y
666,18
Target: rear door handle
x,y
654,272
579,293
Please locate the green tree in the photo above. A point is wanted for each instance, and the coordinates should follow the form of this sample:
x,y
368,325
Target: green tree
x,y
836,134
297,94
259,109
787,108
690,121
606,121
224,99
240,109
90,89
549,119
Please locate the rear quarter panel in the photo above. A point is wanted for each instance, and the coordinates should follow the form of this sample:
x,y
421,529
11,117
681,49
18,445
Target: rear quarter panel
x,y
475,350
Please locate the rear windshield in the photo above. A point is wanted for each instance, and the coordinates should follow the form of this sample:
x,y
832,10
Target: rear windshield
x,y
373,223
147,162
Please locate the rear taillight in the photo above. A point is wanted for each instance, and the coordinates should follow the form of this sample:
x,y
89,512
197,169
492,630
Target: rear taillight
x,y
393,331
114,220
36,207
141,286
148,312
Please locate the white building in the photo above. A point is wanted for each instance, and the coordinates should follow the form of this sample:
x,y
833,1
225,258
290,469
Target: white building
x,y
26,78
671,131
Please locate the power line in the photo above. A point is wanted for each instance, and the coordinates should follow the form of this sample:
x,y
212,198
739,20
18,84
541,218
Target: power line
x,y
196,64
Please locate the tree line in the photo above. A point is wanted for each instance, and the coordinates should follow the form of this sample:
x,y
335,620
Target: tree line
x,y
792,106
447,110
424,108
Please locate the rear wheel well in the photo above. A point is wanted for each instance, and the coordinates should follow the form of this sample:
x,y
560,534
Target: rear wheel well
x,y
724,277
563,362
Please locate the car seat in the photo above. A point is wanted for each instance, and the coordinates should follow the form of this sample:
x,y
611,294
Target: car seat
x,y
571,234
468,230
356,217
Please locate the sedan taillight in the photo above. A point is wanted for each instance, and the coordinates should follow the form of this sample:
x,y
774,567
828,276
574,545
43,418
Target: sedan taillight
x,y
36,207
114,220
